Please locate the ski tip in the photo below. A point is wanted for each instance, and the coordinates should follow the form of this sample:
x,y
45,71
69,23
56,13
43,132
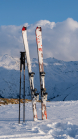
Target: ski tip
x,y
24,28
40,29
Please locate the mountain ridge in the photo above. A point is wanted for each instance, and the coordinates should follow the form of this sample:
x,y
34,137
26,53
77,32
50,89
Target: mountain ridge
x,y
61,80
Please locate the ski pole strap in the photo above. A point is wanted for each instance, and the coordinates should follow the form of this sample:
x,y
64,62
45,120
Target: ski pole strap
x,y
22,57
22,60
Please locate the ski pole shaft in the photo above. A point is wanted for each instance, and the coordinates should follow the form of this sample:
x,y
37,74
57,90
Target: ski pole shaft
x,y
20,89
24,100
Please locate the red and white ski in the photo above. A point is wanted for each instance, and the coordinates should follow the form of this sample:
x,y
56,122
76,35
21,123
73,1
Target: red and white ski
x,y
41,71
34,95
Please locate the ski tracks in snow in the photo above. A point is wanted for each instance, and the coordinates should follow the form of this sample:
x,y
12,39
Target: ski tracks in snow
x,y
62,122
47,131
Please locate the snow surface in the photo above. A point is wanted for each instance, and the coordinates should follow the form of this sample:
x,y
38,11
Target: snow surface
x,y
61,79
62,122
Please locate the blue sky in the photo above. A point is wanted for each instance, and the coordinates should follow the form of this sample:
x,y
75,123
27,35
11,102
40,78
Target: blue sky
x,y
59,22
18,12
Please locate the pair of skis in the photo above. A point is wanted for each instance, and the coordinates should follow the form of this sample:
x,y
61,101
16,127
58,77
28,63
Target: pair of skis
x,y
34,95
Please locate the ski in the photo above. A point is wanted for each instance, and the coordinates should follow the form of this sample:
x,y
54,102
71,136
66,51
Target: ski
x,y
34,95
41,72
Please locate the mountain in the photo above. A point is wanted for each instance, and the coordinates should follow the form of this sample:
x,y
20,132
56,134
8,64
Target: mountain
x,y
61,79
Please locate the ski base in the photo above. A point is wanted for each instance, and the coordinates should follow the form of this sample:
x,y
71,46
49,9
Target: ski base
x,y
38,33
43,106
31,74
35,98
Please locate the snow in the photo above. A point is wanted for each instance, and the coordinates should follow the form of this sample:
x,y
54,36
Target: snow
x,y
62,122
61,83
61,78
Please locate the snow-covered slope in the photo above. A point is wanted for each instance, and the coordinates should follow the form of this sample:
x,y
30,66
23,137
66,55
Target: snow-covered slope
x,y
61,78
62,122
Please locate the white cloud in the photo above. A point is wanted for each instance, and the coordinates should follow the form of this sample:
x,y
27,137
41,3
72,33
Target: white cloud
x,y
60,40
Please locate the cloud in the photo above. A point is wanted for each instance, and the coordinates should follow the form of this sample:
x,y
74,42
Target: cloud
x,y
60,40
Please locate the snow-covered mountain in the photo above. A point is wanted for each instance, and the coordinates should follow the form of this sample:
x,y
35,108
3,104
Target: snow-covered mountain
x,y
61,79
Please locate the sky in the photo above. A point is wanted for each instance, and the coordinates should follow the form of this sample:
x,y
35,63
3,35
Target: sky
x,y
18,12
59,22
